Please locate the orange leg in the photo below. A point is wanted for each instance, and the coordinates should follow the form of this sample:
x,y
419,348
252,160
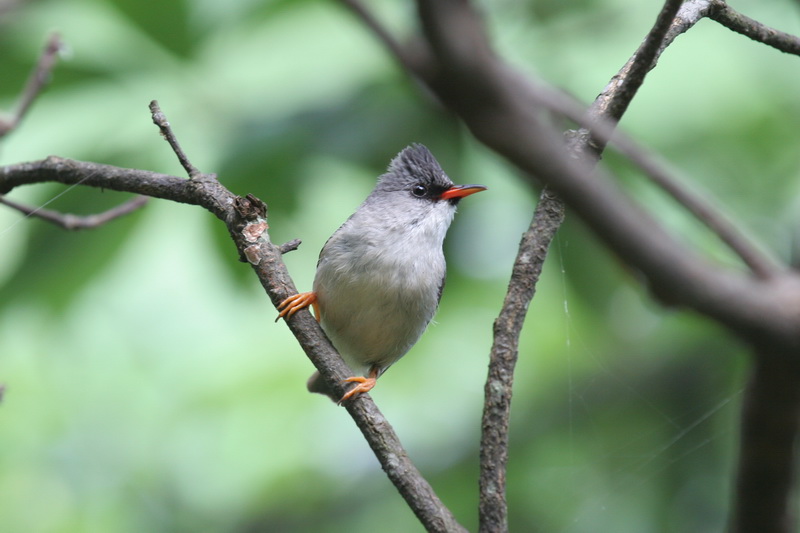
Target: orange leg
x,y
364,384
293,304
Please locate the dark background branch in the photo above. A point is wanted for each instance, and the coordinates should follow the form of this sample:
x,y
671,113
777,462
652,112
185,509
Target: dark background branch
x,y
764,499
676,274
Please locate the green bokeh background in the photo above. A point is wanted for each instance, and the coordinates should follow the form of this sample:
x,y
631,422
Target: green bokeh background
x,y
148,388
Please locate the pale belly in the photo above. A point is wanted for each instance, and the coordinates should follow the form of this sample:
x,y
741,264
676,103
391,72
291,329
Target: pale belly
x,y
374,320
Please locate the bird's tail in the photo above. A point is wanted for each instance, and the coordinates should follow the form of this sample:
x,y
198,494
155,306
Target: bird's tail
x,y
316,384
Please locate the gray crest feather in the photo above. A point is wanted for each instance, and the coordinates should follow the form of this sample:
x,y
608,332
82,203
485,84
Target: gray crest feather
x,y
415,164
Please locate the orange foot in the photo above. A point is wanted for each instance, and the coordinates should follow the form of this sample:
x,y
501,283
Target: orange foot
x,y
364,385
293,304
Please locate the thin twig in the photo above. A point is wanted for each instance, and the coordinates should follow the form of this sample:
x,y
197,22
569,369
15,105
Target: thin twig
x,y
160,120
289,246
69,221
623,87
735,21
36,82
547,218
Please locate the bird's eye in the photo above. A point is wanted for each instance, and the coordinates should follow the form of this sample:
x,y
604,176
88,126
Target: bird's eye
x,y
419,191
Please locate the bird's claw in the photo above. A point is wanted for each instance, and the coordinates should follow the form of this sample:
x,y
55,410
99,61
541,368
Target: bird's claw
x,y
364,385
295,303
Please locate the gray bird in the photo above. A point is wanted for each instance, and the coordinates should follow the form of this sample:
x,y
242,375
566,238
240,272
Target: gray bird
x,y
380,275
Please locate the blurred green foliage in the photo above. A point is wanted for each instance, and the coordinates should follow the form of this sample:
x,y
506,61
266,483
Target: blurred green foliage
x,y
148,388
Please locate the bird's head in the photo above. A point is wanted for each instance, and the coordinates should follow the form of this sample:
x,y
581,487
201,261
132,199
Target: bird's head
x,y
416,175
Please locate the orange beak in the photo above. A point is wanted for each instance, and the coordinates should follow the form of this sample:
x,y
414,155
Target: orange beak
x,y
460,191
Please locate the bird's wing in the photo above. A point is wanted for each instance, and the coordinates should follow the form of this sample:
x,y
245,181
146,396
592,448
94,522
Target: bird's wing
x,y
322,251
441,289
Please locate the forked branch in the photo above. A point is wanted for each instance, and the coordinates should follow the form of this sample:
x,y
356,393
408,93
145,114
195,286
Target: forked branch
x,y
245,218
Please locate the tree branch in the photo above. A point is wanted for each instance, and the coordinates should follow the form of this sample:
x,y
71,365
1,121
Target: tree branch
x,y
645,59
735,21
608,108
290,246
618,94
77,222
204,193
467,72
37,80
160,120
547,218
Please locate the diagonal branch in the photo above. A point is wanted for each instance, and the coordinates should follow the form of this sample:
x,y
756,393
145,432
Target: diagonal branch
x,y
669,25
290,246
248,228
598,130
614,100
265,258
245,218
675,18
727,16
462,22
